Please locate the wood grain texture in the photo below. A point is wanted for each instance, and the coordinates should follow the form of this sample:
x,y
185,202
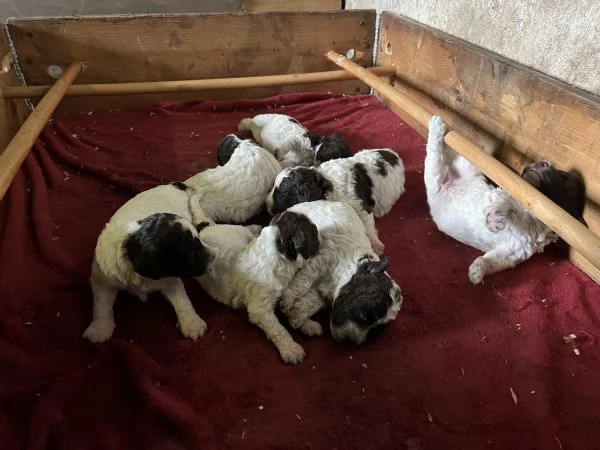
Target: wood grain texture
x,y
287,5
181,47
526,115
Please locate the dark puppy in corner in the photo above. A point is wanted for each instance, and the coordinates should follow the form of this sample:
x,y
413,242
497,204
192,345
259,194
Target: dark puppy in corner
x,y
250,268
291,143
148,245
370,182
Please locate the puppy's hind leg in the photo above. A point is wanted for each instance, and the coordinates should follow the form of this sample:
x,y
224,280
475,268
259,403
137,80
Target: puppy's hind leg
x,y
436,168
262,315
103,322
494,261
369,222
190,324
497,210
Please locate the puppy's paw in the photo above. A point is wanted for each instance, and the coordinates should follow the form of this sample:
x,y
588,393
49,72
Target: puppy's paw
x,y
192,326
311,328
437,127
495,219
378,247
477,270
292,353
99,331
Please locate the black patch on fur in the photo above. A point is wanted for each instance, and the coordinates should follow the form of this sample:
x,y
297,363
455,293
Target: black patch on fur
x,y
294,121
315,139
363,187
332,147
201,226
386,157
564,189
297,235
226,147
162,247
365,299
303,184
180,185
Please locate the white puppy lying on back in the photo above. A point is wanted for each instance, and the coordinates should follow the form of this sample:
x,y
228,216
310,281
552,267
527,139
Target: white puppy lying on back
x,y
465,206
148,244
371,182
291,143
236,191
345,275
252,272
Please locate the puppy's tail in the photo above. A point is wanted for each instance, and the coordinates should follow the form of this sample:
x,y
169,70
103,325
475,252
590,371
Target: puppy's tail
x,y
436,168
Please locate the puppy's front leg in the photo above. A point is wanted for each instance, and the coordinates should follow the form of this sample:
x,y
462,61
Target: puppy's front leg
x,y
261,314
494,261
436,168
369,222
190,324
103,322
301,301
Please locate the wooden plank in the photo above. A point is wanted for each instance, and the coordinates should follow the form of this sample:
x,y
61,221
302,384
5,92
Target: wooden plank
x,y
287,5
12,112
179,47
529,115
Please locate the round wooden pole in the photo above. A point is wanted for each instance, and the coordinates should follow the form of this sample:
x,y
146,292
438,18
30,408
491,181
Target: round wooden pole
x,y
195,85
18,148
578,236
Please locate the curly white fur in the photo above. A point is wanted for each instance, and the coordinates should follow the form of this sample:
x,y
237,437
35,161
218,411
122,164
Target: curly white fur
x,y
112,271
465,207
235,192
345,246
387,186
249,272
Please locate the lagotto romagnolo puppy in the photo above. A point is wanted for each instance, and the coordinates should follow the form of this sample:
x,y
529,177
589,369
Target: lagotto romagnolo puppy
x,y
345,275
466,207
371,182
236,191
291,143
148,245
252,272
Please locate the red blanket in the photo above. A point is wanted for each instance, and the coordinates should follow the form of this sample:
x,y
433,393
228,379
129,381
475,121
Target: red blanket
x,y
462,367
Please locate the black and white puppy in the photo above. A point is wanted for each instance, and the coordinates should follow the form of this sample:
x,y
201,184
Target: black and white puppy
x,y
148,245
291,143
250,268
346,275
371,182
466,207
236,191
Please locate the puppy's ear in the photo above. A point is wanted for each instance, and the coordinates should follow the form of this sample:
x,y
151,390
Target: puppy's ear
x,y
297,235
376,266
142,261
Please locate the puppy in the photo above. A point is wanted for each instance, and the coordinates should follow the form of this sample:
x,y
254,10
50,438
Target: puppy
x,y
291,143
148,245
252,272
346,275
467,208
371,182
236,190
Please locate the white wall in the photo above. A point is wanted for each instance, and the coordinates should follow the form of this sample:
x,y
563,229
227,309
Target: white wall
x,y
558,37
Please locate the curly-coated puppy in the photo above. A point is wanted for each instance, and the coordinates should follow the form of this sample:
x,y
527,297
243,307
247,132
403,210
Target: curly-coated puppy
x,y
252,272
466,207
371,182
346,275
291,143
236,191
148,245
